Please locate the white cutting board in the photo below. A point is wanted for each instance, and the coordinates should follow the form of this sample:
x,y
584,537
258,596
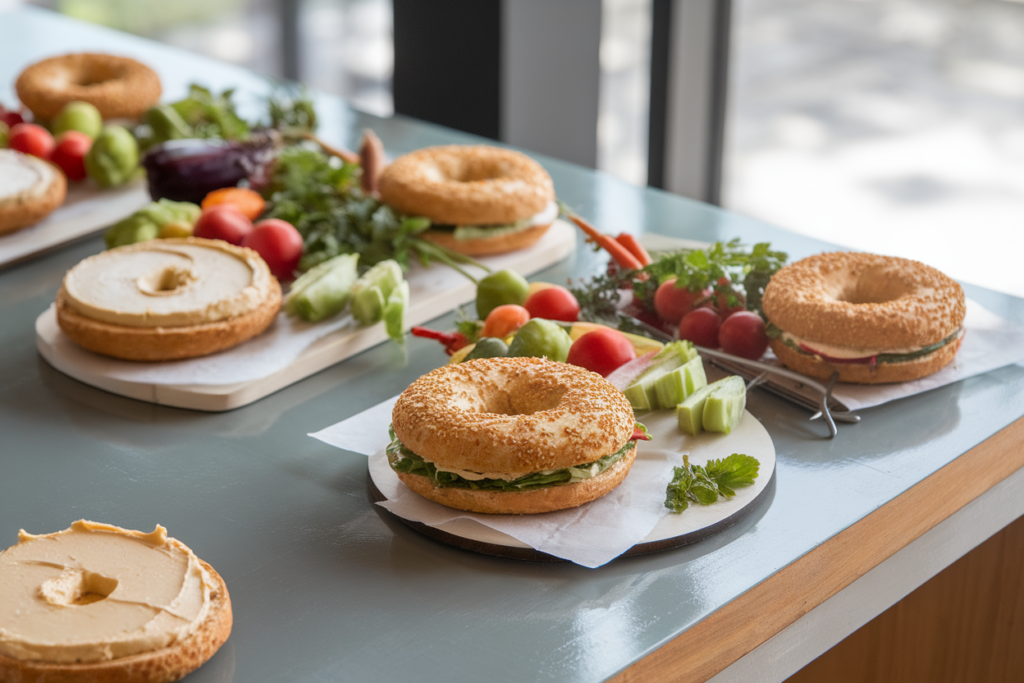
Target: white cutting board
x,y
86,210
433,292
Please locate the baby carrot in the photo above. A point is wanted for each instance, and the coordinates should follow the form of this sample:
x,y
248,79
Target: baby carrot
x,y
634,247
247,201
621,254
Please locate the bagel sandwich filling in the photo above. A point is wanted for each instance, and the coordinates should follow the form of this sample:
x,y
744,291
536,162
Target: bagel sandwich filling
x,y
471,232
404,460
858,356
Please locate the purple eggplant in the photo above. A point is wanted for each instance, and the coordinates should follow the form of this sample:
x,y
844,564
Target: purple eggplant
x,y
188,170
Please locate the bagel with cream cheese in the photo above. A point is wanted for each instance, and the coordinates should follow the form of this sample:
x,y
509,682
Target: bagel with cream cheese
x,y
99,604
872,319
480,199
512,436
167,299
121,88
30,190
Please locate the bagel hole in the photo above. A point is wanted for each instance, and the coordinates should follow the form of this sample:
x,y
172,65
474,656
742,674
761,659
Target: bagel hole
x,y
525,398
469,172
77,587
876,286
166,281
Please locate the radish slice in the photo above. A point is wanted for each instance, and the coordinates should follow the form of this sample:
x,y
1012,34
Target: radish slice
x,y
628,373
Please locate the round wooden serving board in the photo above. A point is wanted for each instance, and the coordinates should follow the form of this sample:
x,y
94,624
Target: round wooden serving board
x,y
698,522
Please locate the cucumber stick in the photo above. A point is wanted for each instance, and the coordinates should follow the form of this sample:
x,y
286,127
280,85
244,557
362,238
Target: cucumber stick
x,y
372,292
717,407
394,311
673,387
323,290
643,393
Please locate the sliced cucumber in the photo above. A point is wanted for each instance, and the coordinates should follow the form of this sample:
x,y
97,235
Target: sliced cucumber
x,y
690,413
673,387
394,310
324,289
725,405
643,394
371,292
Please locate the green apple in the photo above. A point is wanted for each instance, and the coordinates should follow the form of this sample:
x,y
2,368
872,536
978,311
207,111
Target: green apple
x,y
80,116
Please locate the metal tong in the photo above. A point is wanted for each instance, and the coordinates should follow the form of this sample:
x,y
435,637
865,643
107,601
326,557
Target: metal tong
x,y
757,374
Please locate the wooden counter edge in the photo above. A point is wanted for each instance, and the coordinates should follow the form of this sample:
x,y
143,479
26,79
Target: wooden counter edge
x,y
760,613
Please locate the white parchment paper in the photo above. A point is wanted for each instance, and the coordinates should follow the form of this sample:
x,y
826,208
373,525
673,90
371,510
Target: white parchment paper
x,y
990,342
590,535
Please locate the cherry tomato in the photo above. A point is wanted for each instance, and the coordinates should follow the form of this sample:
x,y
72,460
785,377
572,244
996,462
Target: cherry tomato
x,y
721,300
742,334
30,138
10,116
672,302
553,303
701,326
280,245
223,222
601,351
504,320
69,154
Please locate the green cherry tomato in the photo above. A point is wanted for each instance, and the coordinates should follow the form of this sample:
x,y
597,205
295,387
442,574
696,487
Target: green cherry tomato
x,y
80,116
488,347
113,158
541,338
503,287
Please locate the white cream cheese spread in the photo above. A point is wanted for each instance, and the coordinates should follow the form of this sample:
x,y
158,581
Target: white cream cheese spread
x,y
168,283
96,592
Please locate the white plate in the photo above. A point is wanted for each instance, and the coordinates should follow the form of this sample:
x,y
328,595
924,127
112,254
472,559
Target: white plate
x,y
696,523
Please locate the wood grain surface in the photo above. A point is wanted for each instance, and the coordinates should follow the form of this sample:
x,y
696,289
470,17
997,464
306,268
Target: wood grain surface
x,y
758,614
966,624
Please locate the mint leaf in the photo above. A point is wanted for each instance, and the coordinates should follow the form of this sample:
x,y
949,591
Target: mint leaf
x,y
704,485
736,471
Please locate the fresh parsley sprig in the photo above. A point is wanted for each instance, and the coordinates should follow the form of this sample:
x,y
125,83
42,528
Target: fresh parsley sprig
x,y
704,485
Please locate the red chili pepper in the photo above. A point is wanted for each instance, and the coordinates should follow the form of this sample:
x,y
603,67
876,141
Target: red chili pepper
x,y
639,435
453,341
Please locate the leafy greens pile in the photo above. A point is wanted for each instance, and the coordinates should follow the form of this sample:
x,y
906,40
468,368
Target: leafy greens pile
x,y
321,197
704,485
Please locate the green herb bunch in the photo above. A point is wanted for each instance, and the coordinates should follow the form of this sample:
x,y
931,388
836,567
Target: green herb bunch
x,y
320,196
726,267
705,485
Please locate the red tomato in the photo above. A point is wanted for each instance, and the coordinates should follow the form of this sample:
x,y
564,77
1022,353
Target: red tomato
x,y
601,351
553,303
69,154
30,138
721,301
280,245
504,320
742,334
223,222
672,302
701,326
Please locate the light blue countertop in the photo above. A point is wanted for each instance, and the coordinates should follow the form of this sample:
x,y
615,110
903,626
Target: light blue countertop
x,y
325,585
